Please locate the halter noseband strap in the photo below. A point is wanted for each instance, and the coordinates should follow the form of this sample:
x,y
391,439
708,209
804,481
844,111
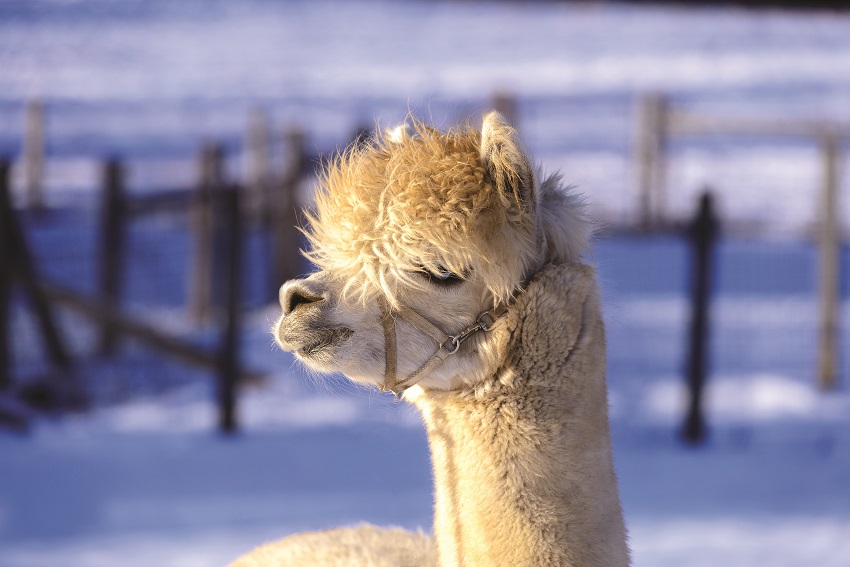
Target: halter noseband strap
x,y
449,344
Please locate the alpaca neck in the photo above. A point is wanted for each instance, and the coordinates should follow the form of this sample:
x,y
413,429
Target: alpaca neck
x,y
522,463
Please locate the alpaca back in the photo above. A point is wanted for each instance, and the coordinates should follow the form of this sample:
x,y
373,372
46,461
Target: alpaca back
x,y
358,546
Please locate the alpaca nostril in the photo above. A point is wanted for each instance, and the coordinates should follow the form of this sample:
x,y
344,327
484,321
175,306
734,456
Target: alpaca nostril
x,y
297,299
296,296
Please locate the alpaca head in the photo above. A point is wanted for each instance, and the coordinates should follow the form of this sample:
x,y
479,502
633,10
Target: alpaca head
x,y
448,225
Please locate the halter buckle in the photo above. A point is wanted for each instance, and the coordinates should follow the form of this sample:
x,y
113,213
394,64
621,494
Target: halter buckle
x,y
455,341
486,321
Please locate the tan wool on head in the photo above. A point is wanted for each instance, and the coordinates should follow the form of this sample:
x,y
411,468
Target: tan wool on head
x,y
394,208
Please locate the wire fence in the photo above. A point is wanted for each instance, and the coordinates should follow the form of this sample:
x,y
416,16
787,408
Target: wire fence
x,y
112,286
763,314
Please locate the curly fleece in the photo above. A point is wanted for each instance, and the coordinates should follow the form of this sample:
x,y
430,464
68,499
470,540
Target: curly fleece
x,y
397,204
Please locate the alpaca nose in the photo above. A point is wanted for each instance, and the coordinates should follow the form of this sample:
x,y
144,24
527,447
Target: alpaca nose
x,y
294,294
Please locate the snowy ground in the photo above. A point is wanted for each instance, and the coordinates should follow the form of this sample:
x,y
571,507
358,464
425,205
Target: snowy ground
x,y
149,482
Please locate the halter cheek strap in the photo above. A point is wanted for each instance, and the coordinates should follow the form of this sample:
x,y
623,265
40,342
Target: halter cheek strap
x,y
448,344
391,356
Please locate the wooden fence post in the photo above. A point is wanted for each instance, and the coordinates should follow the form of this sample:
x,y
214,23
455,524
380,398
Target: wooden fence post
x,y
113,222
651,160
201,271
829,251
285,236
22,266
5,278
702,234
259,174
34,155
231,213
505,104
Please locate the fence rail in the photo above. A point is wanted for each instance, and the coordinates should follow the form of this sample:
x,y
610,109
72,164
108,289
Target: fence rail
x,y
218,213
223,242
147,333
686,123
660,123
268,202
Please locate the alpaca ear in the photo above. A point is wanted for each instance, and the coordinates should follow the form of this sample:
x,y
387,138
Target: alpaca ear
x,y
505,163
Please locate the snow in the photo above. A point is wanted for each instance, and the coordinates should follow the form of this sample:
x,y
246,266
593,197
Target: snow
x,y
149,481
746,399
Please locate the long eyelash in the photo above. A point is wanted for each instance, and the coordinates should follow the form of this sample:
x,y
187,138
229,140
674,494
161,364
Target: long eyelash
x,y
444,278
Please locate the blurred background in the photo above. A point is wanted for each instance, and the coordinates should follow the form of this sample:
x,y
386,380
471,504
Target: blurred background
x,y
154,156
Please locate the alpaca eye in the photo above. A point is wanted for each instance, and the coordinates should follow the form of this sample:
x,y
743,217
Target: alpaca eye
x,y
441,276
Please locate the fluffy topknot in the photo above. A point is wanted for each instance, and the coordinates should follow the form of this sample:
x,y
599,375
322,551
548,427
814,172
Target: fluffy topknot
x,y
414,198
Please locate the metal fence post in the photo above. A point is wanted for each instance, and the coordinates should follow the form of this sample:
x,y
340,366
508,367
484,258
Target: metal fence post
x,y
702,235
112,247
231,214
5,277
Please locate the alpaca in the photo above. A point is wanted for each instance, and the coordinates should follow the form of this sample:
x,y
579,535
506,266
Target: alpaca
x,y
450,274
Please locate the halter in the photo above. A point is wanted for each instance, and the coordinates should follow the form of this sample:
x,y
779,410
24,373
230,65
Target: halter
x,y
448,344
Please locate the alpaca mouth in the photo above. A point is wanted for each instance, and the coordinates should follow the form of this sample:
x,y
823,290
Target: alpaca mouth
x,y
317,342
